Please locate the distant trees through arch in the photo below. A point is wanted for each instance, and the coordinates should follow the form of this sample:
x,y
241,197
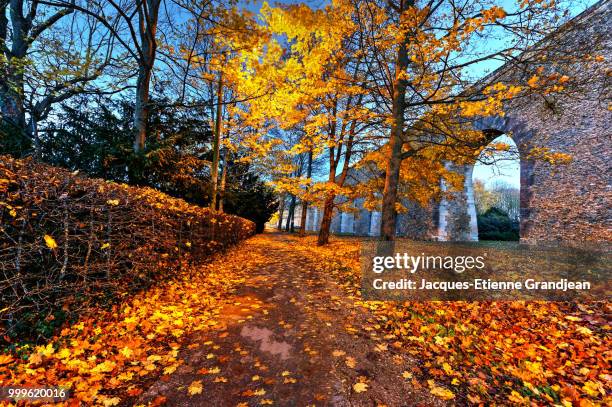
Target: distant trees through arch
x,y
496,185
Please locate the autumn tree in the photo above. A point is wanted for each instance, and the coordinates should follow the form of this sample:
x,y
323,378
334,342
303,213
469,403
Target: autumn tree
x,y
201,57
423,54
304,212
311,66
362,88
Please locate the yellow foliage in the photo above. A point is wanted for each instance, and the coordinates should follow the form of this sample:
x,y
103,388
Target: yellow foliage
x,y
195,388
360,387
441,392
50,242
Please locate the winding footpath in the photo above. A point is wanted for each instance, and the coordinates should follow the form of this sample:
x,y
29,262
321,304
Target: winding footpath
x,y
290,335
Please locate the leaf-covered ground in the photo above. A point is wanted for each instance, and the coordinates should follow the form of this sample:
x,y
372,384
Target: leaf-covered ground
x,y
277,320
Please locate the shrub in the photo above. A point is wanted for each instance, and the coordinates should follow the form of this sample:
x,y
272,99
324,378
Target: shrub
x,y
69,242
495,224
249,197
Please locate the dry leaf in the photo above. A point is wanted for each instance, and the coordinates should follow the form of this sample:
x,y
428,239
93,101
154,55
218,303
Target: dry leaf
x,y
50,242
350,362
195,387
360,387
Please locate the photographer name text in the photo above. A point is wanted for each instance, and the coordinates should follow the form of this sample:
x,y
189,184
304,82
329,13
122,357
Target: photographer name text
x,y
480,284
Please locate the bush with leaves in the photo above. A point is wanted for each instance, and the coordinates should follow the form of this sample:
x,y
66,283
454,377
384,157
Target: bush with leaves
x,y
249,197
68,243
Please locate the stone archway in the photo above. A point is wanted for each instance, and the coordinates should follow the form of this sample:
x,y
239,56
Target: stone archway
x,y
561,201
523,139
496,187
568,202
457,217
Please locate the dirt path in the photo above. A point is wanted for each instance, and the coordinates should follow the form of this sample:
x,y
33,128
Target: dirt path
x,y
290,336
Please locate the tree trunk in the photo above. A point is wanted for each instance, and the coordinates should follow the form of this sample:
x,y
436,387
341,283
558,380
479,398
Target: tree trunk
x,y
148,12
389,213
290,214
394,159
19,28
281,212
12,110
303,216
141,108
328,211
223,177
328,207
214,172
305,202
11,103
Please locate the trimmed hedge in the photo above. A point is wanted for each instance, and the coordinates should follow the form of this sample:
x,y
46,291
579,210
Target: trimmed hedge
x,y
69,242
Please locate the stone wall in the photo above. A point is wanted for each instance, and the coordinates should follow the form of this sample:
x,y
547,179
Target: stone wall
x,y
416,223
457,214
560,202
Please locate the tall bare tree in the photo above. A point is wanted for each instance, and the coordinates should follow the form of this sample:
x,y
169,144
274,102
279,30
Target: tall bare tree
x,y
134,25
46,58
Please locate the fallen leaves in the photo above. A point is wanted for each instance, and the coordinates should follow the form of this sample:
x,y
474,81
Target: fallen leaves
x,y
111,401
126,352
50,242
594,389
360,387
195,388
350,362
441,392
104,367
5,359
381,347
104,354
170,369
485,353
533,352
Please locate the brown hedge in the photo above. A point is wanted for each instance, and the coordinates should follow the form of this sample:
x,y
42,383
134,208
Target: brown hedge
x,y
103,241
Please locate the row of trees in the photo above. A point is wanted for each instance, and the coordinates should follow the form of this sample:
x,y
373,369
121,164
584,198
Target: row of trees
x,y
301,95
500,195
389,88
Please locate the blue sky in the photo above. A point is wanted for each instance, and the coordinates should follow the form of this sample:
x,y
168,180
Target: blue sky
x,y
504,170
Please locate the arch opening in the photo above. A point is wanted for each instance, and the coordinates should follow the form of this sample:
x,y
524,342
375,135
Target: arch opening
x,y
496,180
